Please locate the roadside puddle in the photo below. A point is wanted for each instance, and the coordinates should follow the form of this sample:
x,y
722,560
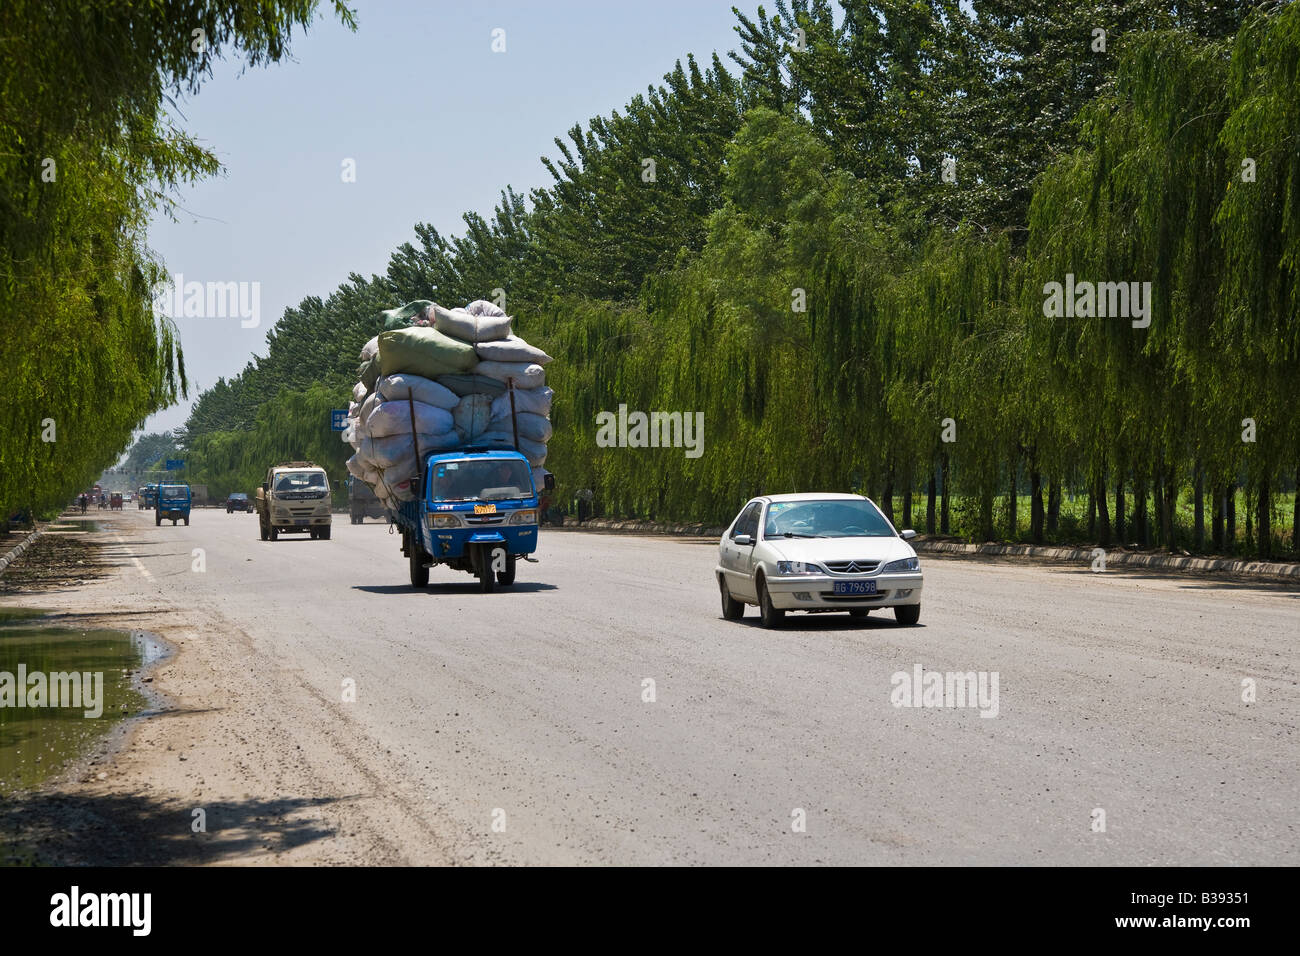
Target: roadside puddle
x,y
61,690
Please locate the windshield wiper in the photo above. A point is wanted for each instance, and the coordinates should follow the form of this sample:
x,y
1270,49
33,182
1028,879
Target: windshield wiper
x,y
795,534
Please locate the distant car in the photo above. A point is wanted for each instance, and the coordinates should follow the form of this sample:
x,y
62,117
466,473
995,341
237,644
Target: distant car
x,y
238,502
817,552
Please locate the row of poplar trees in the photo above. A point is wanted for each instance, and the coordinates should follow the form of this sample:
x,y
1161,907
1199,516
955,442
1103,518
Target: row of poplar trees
x,y
836,247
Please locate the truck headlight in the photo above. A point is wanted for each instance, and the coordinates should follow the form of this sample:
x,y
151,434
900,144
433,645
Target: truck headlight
x,y
798,567
902,564
523,517
443,521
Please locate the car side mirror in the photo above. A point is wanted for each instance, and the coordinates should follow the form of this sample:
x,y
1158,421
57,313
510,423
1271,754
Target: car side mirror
x,y
743,539
549,482
907,535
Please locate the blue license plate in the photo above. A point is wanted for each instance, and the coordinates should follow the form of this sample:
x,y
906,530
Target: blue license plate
x,y
855,587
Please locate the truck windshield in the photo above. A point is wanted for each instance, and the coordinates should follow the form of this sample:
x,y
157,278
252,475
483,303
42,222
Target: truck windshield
x,y
484,479
310,483
174,491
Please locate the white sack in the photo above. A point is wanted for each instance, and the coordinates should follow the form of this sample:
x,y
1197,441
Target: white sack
x,y
394,418
511,349
466,327
471,416
535,400
394,388
525,374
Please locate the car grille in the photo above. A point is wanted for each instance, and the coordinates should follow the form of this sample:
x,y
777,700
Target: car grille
x,y
851,567
852,598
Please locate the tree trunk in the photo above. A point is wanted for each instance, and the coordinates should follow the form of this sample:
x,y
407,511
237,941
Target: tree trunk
x,y
943,513
907,505
1141,526
1053,505
1119,509
1092,515
1168,528
1264,521
1198,533
1013,518
1216,526
1230,505
1295,516
1158,507
1103,511
1036,506
986,512
887,496
930,492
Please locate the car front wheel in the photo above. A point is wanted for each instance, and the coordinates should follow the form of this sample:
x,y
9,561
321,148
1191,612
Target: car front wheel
x,y
732,610
907,613
771,616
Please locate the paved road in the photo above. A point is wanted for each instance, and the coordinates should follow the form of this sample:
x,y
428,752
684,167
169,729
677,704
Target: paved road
x,y
1117,692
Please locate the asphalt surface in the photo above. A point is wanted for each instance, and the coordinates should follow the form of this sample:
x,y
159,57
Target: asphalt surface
x,y
520,726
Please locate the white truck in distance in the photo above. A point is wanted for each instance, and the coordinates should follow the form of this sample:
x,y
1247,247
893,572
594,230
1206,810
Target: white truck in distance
x,y
294,497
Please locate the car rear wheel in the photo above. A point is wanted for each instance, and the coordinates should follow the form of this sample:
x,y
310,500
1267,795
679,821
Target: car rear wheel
x,y
772,616
907,613
732,610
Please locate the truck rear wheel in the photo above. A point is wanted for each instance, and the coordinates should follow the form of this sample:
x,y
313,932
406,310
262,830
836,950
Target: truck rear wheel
x,y
261,526
157,518
274,533
419,571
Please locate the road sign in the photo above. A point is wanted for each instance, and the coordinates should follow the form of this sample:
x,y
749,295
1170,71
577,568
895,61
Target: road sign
x,y
339,419
174,463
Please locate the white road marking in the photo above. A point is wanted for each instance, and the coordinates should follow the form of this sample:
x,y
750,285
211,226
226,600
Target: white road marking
x,y
134,560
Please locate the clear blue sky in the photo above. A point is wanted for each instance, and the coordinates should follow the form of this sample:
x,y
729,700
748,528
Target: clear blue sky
x,y
437,123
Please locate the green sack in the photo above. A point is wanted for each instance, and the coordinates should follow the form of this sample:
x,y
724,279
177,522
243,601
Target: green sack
x,y
369,373
401,317
464,385
420,350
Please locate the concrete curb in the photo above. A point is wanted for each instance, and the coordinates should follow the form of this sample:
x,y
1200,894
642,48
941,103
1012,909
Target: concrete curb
x,y
22,546
1114,557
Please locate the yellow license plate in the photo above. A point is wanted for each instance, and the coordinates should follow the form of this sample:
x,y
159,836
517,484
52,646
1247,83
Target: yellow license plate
x,y
485,509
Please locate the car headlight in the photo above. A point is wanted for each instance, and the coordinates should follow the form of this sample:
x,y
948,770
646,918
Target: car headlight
x,y
443,521
523,517
903,564
798,567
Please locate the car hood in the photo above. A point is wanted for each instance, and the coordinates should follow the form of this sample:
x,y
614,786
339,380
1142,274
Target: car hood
x,y
839,549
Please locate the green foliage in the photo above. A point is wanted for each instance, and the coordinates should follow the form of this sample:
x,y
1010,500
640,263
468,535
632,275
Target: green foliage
x,y
87,154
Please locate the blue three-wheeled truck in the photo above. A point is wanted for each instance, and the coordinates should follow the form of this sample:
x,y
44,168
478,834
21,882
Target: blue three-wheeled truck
x,y
475,510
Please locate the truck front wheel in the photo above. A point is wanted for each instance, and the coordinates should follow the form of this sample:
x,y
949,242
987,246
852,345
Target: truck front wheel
x,y
324,533
487,578
507,577
275,534
419,571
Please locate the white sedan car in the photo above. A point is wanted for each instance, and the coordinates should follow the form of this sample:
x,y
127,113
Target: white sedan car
x,y
817,552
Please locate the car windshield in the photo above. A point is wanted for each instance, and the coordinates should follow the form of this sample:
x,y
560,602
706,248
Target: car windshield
x,y
301,481
238,496
484,479
829,518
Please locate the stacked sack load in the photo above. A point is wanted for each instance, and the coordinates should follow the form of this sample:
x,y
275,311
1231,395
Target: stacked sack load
x,y
450,370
